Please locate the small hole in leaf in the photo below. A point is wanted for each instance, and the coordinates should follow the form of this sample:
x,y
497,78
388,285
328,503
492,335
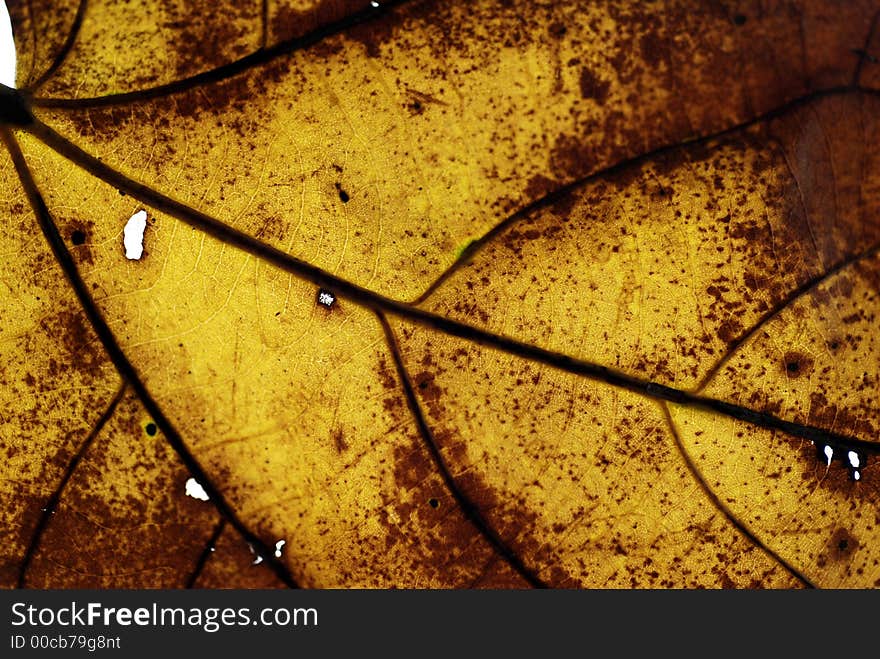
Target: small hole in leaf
x,y
195,490
433,503
151,429
326,298
792,367
78,237
423,385
343,196
739,19
133,238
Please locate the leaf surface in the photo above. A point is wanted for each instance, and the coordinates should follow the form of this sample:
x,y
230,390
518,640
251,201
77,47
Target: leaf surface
x,y
600,275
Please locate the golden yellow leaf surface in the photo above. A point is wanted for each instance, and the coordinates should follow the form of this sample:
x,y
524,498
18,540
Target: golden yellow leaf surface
x,y
438,294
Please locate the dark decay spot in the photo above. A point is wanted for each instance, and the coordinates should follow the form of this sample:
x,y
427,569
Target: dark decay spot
x,y
739,19
540,186
343,195
570,158
730,330
433,503
557,30
151,429
431,393
655,48
842,544
75,338
797,364
78,237
593,87
339,441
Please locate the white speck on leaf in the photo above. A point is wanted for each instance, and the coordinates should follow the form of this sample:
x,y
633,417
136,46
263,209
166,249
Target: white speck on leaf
x,y
829,453
195,490
134,235
278,546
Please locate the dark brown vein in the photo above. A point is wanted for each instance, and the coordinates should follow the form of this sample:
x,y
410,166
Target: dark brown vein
x,y
864,55
375,301
62,54
261,56
52,503
207,552
738,524
556,195
468,507
264,24
33,38
121,361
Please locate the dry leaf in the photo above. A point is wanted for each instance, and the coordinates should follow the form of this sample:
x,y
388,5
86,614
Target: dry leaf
x,y
442,295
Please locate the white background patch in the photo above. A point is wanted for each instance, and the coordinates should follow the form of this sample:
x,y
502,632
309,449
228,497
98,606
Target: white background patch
x,y
7,48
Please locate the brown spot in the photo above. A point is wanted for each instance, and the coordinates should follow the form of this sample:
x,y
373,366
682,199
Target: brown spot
x,y
427,388
841,418
842,545
79,342
797,364
655,48
339,442
570,158
730,330
387,375
593,87
272,229
539,186
563,203
749,231
81,232
557,30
